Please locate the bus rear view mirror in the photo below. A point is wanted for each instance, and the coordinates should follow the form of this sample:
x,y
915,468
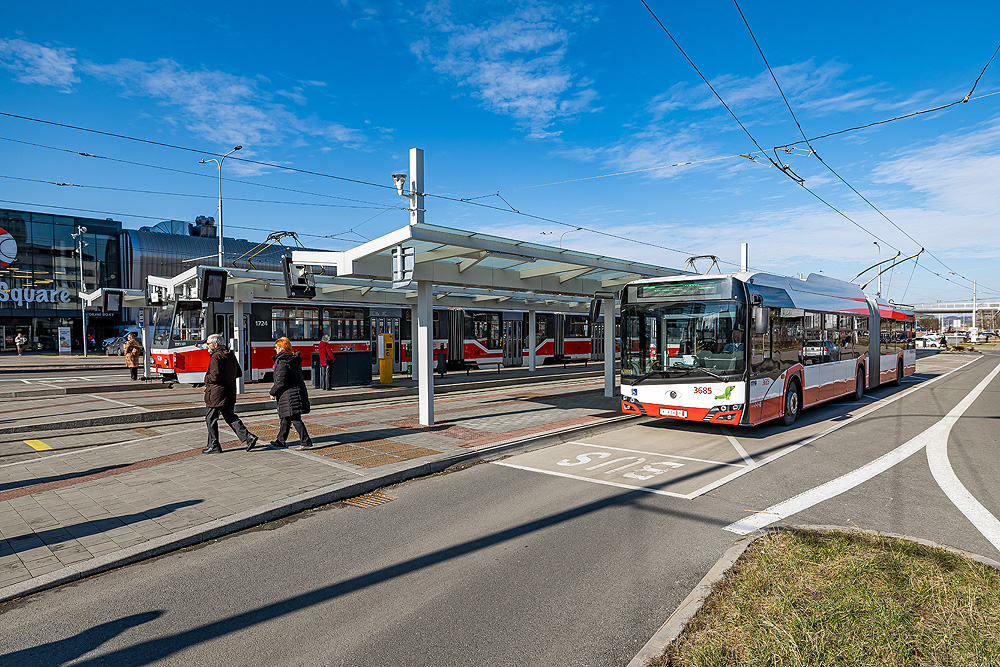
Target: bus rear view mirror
x,y
595,309
761,320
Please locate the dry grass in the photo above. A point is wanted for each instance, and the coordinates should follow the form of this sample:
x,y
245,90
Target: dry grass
x,y
845,598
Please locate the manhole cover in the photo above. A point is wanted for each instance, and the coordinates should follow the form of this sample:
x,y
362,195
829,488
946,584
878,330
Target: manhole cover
x,y
369,499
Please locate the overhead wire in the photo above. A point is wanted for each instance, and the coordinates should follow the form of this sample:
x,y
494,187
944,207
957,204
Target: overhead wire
x,y
181,194
816,154
151,217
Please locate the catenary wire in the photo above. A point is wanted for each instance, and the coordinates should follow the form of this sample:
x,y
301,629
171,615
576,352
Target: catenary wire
x,y
151,217
182,194
816,154
191,173
200,152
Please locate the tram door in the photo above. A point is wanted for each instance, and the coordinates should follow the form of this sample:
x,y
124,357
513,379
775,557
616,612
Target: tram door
x,y
456,337
513,353
597,341
558,335
224,326
390,325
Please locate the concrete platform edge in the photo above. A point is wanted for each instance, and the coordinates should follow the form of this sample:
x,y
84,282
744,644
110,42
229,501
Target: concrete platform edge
x,y
690,606
282,508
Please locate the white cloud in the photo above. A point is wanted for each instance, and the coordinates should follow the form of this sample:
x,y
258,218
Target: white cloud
x,y
221,107
515,65
37,64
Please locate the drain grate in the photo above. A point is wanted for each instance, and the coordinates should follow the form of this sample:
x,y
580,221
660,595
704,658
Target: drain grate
x,y
369,499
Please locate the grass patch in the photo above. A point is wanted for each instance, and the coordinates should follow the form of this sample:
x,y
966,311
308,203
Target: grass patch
x,y
845,598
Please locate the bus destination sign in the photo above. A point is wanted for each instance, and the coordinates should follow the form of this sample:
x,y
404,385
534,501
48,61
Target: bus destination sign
x,y
693,290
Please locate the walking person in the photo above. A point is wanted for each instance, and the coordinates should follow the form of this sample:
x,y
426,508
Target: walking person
x,y
220,395
133,351
289,390
325,363
19,340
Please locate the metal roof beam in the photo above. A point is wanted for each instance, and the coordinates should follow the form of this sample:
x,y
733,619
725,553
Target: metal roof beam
x,y
551,269
570,275
443,253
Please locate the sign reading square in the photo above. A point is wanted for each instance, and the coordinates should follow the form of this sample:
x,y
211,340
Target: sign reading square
x,y
213,285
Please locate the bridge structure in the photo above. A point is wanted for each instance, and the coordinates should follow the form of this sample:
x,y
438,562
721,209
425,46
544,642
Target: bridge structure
x,y
956,307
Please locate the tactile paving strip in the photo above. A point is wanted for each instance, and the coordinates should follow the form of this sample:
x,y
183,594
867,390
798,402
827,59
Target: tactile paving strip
x,y
374,453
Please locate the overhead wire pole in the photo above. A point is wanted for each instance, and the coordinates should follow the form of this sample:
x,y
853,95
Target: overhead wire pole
x,y
219,163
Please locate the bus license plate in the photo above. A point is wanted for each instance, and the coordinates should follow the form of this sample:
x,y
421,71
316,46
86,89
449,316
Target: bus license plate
x,y
673,412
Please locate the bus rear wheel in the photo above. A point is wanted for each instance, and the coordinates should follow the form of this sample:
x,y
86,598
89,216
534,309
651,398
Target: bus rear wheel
x,y
793,403
899,375
859,384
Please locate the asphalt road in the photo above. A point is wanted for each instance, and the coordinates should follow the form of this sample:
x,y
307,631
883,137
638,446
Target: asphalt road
x,y
501,565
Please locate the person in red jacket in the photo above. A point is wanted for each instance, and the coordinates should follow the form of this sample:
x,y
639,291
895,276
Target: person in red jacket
x,y
325,363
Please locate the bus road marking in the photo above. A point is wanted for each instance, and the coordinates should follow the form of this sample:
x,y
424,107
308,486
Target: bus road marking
x,y
669,456
737,446
37,445
934,438
595,481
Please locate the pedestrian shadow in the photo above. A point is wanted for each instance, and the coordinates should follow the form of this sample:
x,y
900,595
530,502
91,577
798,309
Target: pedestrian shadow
x,y
66,650
57,478
37,539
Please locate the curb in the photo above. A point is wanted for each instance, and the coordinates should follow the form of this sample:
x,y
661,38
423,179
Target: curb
x,y
282,508
61,369
692,604
198,411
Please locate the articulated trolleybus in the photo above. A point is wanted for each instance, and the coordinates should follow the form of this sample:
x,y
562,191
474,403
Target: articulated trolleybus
x,y
746,348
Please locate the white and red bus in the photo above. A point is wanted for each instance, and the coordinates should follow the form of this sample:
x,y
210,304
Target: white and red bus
x,y
746,348
469,338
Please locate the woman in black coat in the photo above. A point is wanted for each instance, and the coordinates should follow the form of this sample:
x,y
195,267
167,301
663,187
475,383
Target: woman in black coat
x,y
290,391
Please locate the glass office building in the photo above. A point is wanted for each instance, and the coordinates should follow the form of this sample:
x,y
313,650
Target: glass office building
x,y
40,275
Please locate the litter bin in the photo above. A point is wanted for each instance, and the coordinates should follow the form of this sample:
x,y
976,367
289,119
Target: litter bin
x,y
441,361
316,377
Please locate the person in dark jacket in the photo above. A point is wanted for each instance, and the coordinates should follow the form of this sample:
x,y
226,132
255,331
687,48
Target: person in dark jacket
x,y
289,390
220,395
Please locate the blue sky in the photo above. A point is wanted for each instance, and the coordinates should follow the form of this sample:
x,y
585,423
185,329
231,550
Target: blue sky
x,y
573,112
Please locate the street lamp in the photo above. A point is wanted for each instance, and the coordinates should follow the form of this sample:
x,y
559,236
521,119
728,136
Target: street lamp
x,y
80,245
565,233
219,163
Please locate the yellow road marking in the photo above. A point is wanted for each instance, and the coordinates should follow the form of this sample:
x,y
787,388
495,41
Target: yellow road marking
x,y
37,445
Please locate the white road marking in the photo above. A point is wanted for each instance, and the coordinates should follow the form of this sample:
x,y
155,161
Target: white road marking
x,y
127,405
833,488
791,448
669,456
737,446
595,481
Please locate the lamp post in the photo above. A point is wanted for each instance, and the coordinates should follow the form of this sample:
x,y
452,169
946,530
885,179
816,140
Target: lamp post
x,y
80,245
565,233
219,163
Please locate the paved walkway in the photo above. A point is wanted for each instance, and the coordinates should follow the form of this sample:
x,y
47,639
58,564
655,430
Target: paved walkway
x,y
84,507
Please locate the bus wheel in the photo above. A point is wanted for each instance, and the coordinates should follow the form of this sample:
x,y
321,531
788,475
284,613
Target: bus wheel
x,y
899,375
859,384
792,403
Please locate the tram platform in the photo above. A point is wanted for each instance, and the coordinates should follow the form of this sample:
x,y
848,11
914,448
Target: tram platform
x,y
78,501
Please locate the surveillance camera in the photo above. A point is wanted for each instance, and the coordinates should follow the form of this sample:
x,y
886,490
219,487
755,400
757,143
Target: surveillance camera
x,y
400,181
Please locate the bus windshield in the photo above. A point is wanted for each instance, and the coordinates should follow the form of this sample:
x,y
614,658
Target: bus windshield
x,y
680,339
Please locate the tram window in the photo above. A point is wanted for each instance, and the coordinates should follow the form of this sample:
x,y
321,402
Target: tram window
x,y
295,323
577,326
189,322
344,323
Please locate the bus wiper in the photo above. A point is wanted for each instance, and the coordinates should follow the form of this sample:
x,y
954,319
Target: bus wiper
x,y
646,375
690,369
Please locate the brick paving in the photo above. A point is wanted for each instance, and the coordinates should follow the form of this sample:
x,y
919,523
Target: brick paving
x,y
83,503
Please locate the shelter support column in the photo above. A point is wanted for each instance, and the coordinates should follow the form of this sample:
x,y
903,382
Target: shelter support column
x,y
413,341
237,339
532,340
425,351
146,332
609,347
